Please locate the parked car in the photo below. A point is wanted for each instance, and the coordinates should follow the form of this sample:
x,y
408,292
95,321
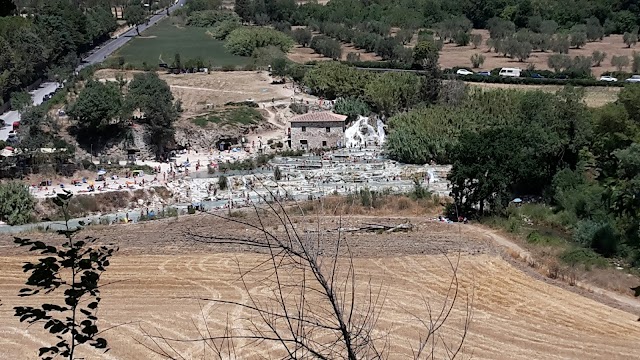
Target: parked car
x,y
607,78
510,72
537,76
484,73
464,72
633,79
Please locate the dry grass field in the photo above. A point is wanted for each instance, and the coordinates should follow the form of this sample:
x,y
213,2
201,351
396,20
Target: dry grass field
x,y
594,96
196,91
158,275
302,55
453,55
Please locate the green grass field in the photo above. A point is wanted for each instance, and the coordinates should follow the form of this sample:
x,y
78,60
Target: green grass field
x,y
165,40
236,116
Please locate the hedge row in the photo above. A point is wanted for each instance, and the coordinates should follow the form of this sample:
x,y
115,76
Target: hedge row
x,y
533,81
372,64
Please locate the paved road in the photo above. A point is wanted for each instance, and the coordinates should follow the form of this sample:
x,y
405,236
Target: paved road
x,y
98,56
37,96
111,46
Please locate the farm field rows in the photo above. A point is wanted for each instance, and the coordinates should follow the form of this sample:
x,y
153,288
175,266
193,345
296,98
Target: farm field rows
x,y
158,276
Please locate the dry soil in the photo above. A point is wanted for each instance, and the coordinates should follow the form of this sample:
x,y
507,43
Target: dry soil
x,y
159,274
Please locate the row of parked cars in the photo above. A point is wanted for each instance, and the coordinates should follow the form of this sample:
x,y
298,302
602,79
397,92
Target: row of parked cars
x,y
515,72
50,95
510,72
632,79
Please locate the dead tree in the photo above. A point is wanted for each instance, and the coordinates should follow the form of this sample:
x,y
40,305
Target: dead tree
x,y
314,310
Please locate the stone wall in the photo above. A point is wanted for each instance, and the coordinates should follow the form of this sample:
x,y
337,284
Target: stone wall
x,y
316,134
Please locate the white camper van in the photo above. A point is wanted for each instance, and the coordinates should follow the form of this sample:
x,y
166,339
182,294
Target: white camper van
x,y
512,72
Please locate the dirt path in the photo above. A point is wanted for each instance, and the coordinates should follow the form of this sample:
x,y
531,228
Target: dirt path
x,y
526,257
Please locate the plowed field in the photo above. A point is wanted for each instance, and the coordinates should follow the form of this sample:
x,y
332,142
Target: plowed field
x,y
158,276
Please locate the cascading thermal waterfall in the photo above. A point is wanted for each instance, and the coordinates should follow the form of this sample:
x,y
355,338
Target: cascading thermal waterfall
x,y
361,133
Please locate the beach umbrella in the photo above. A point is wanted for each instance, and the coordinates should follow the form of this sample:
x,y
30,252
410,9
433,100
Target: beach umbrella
x,y
102,172
517,200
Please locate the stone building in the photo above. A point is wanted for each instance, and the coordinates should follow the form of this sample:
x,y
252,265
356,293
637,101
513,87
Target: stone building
x,y
317,130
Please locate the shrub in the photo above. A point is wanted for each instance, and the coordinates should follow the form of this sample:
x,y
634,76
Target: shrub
x,y
299,108
223,28
582,256
243,41
222,182
462,38
207,18
419,191
302,36
326,46
353,57
16,203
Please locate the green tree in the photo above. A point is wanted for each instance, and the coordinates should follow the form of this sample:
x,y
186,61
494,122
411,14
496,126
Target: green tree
x,y
462,38
222,29
134,15
243,41
598,57
485,167
277,173
629,97
594,29
635,62
16,203
477,60
476,40
548,27
425,56
302,36
177,63
392,92
279,67
630,38
74,269
578,37
561,44
208,18
152,97
500,28
223,182
243,9
332,79
7,7
558,62
97,106
404,36
352,107
620,61
20,100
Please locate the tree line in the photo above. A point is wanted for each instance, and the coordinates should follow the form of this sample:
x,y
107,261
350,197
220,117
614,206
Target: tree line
x,y
504,144
47,42
386,93
615,17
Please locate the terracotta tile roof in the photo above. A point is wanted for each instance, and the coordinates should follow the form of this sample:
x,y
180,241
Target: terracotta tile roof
x,y
324,116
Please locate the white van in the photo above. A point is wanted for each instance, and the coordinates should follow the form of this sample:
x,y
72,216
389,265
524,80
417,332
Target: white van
x,y
512,72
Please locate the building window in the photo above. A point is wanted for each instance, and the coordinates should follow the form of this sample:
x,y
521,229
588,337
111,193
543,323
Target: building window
x,y
328,129
303,142
324,143
304,128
